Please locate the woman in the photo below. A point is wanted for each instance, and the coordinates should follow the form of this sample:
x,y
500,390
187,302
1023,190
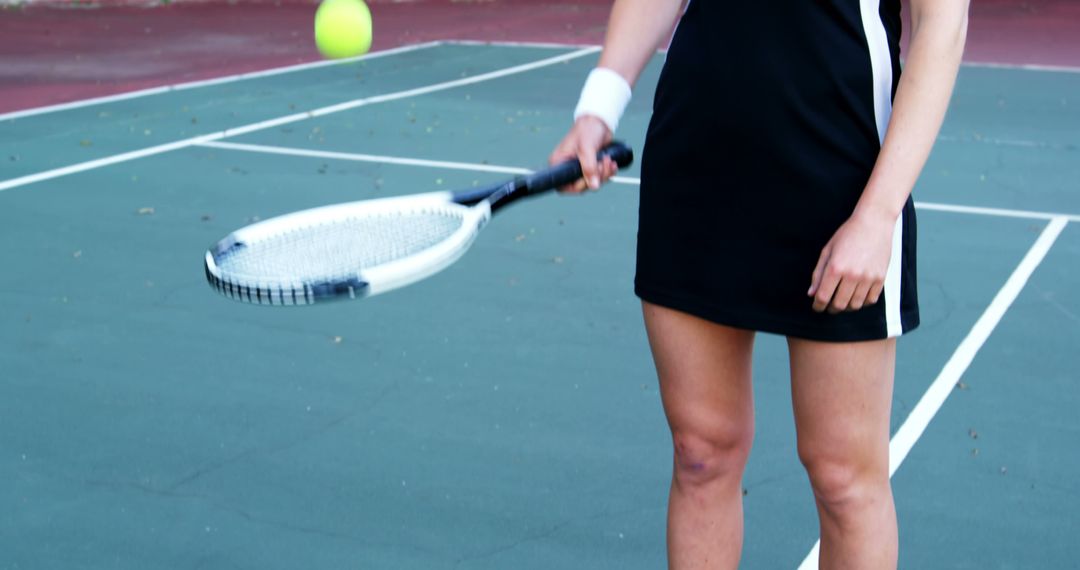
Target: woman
x,y
775,197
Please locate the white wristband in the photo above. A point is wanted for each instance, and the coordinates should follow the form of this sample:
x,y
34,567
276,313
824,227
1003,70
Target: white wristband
x,y
604,96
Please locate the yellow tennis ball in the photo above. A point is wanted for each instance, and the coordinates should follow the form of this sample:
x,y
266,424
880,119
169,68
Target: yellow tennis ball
x,y
343,28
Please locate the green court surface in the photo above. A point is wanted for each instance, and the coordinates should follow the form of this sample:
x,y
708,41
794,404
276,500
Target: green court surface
x,y
503,414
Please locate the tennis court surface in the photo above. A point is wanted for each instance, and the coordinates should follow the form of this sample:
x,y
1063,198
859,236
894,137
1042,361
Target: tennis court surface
x,y
503,414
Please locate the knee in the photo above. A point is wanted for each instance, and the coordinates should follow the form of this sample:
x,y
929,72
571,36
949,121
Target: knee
x,y
843,485
704,459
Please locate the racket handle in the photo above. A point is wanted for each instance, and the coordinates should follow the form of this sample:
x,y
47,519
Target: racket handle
x,y
569,172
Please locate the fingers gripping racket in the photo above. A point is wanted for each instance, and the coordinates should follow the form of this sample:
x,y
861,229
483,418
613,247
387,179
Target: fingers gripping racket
x,y
360,249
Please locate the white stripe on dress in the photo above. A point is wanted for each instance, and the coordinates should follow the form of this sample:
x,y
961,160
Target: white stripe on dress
x,y
881,64
892,282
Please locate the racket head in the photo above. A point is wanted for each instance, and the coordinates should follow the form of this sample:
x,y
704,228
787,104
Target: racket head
x,y
343,251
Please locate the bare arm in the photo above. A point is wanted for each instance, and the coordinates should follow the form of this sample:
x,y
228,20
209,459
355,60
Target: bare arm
x,y
851,270
635,30
937,43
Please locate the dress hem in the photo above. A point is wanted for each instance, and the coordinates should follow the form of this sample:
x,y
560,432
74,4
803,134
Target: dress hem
x,y
768,324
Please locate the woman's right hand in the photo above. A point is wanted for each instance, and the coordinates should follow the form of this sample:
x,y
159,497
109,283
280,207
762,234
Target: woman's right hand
x,y
585,139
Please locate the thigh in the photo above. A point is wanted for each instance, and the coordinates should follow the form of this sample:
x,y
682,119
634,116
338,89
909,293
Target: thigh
x,y
704,371
842,397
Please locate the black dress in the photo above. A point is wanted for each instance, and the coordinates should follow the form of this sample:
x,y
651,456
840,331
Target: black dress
x,y
768,117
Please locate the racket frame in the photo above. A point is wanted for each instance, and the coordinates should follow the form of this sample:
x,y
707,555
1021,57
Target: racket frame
x,y
474,206
371,281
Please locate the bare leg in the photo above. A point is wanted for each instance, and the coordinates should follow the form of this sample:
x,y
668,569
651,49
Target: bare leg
x,y
704,372
842,395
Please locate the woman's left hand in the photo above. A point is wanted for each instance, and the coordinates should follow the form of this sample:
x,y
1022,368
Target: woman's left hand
x,y
850,273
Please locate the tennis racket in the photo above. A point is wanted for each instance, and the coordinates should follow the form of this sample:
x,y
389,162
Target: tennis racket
x,y
359,249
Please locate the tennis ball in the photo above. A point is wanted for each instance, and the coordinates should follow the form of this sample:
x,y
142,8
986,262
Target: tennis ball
x,y
343,28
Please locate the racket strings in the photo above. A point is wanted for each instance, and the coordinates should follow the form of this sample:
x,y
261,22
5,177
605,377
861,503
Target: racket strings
x,y
342,247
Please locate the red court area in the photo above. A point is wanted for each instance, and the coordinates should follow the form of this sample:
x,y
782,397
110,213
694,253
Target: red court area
x,y
58,52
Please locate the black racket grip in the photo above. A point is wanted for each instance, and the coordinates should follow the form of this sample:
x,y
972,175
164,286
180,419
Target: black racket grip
x,y
568,172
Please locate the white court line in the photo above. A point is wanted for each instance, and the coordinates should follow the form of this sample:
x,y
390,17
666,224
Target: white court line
x,y
356,157
1004,142
935,396
1025,67
997,212
472,166
208,82
539,45
123,157
553,45
382,159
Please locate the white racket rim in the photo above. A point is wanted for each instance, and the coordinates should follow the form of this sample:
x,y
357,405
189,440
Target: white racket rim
x,y
377,279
